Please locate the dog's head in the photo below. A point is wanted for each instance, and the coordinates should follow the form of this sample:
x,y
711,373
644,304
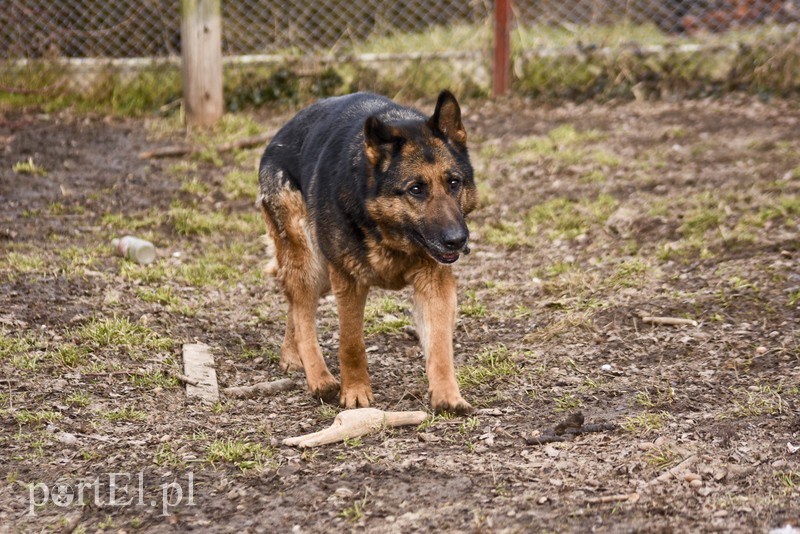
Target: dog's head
x,y
421,181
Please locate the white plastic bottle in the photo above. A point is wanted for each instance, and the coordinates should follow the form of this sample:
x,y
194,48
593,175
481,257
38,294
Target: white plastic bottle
x,y
134,249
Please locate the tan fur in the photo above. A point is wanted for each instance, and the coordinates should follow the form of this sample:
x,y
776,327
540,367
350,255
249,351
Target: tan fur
x,y
303,274
435,316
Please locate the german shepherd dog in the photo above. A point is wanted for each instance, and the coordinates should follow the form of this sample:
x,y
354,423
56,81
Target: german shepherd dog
x,y
358,191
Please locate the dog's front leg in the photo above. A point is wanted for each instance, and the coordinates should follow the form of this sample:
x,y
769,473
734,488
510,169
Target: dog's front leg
x,y
435,317
350,300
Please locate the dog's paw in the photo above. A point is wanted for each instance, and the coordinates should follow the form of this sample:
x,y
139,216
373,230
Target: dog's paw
x,y
290,361
454,404
326,390
357,395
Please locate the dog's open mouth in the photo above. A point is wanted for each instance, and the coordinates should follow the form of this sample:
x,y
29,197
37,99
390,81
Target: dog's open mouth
x,y
445,257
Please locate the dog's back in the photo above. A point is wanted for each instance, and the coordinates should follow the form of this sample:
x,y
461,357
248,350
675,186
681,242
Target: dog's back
x,y
328,132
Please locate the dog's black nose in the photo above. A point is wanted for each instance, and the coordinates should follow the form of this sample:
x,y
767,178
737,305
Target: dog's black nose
x,y
455,238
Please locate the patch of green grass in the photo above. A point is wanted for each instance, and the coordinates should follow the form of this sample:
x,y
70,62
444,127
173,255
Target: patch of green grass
x,y
567,402
354,513
385,316
21,263
754,403
564,218
790,480
124,223
631,272
645,422
187,220
156,272
221,266
164,295
493,363
11,346
195,187
240,184
120,331
570,322
472,308
70,355
125,414
154,379
244,455
29,167
25,417
166,456
78,399
662,457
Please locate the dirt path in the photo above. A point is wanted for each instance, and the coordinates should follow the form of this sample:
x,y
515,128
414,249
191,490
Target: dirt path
x,y
593,217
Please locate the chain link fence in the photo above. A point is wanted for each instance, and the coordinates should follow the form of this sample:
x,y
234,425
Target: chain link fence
x,y
571,49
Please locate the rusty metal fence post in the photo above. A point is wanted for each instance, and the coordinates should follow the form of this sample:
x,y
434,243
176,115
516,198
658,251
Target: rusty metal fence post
x,y
501,71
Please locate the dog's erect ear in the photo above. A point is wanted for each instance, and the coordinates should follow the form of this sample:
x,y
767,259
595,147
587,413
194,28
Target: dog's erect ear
x,y
447,119
377,135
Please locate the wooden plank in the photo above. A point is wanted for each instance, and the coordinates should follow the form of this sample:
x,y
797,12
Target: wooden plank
x,y
201,51
198,365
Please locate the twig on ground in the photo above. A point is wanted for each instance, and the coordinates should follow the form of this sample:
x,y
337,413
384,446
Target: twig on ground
x,y
669,321
260,389
630,497
184,379
675,471
111,373
183,150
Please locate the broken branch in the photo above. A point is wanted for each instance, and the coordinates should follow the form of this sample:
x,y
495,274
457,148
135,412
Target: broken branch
x,y
183,150
260,389
675,471
670,321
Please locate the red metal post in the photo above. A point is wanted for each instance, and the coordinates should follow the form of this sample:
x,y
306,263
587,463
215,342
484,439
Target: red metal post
x,y
502,47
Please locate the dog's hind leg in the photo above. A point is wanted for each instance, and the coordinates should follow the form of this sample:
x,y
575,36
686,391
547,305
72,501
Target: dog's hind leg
x,y
303,273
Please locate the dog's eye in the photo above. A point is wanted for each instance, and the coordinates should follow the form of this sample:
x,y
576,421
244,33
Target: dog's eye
x,y
455,184
417,190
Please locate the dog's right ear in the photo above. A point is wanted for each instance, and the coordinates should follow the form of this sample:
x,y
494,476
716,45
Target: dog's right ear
x,y
377,136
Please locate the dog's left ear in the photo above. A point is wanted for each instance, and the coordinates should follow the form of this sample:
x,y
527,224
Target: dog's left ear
x,y
447,119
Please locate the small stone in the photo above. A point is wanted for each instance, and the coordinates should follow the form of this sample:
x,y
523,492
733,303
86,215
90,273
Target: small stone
x,y
390,519
233,494
777,464
551,451
691,477
557,482
646,445
542,500
761,350
696,483
343,493
428,437
67,439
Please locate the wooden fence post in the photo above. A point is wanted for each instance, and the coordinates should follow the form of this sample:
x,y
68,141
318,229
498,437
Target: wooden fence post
x,y
501,71
201,51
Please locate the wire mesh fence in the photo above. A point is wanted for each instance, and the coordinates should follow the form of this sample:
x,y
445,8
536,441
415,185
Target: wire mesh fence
x,y
573,49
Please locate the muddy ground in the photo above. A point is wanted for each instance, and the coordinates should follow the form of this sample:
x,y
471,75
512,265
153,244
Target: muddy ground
x,y
593,217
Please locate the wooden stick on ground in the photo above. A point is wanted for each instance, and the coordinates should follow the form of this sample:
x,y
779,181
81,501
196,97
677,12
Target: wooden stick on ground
x,y
670,321
675,471
183,150
260,389
630,497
